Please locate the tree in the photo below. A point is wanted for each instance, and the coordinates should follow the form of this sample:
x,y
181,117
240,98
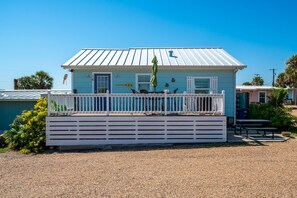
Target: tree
x,y
277,97
41,80
257,80
281,80
291,71
247,83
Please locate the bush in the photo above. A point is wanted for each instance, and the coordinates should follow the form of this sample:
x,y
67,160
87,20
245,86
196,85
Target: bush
x,y
27,132
280,117
277,97
2,141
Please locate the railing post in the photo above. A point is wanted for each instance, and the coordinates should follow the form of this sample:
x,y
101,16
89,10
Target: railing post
x,y
49,102
165,102
223,108
107,102
184,103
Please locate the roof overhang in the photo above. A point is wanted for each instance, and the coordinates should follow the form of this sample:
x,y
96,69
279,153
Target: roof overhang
x,y
165,68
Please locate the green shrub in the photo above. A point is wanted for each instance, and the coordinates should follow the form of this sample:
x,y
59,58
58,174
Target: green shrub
x,y
277,97
280,117
27,132
2,141
57,107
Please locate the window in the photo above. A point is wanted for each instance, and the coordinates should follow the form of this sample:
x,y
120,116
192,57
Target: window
x,y
202,85
262,97
143,82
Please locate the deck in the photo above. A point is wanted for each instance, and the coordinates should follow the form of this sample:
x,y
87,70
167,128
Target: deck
x,y
99,119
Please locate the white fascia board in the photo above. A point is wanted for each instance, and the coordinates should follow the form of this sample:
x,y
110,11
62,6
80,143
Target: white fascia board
x,y
113,68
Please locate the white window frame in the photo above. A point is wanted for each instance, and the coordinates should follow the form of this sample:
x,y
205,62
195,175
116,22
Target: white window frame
x,y
194,88
265,98
93,80
136,80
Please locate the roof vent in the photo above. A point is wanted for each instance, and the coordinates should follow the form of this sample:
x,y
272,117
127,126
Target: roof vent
x,y
170,53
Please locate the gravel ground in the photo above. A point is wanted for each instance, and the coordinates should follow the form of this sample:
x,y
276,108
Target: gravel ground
x,y
228,170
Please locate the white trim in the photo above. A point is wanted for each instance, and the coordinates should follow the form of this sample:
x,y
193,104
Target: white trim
x,y
136,80
160,68
265,95
93,80
72,81
234,97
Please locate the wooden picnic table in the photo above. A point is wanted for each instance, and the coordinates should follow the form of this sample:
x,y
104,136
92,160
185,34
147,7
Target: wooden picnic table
x,y
254,124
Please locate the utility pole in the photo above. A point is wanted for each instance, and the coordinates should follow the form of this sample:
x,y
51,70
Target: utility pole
x,y
273,76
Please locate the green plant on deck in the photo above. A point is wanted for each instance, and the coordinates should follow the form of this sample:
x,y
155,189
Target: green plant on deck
x,y
57,107
27,132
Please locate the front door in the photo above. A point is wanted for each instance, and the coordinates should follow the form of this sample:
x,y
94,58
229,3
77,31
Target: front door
x,y
102,83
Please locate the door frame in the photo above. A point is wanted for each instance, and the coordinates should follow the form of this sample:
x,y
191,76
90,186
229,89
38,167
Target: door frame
x,y
93,80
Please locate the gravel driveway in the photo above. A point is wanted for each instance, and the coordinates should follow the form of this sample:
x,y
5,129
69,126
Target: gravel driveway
x,y
226,170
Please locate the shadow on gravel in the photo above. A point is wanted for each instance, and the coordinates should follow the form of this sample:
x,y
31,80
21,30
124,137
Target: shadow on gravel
x,y
147,147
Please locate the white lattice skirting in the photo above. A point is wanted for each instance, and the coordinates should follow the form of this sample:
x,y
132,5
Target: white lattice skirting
x,y
101,130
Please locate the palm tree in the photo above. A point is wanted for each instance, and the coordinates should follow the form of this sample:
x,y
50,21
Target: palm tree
x,y
291,71
257,80
281,80
41,80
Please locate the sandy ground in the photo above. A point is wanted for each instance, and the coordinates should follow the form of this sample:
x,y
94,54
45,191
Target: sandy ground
x,y
228,170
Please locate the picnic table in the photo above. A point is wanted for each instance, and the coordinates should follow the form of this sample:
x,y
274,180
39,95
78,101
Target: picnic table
x,y
254,124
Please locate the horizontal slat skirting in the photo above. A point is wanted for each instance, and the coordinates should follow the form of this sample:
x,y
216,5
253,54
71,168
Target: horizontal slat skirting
x,y
102,130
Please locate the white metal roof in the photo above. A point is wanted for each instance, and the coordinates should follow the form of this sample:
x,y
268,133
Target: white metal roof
x,y
255,88
32,94
143,57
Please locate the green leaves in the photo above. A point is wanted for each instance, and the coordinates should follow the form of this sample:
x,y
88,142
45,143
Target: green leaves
x,y
277,97
41,80
291,71
280,117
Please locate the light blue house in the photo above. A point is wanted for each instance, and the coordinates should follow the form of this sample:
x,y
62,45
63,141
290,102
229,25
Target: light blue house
x,y
116,82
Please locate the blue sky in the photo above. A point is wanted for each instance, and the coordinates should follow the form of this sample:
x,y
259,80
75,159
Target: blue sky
x,y
42,35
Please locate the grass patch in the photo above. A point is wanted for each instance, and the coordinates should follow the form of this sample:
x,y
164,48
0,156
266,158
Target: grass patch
x,y
3,150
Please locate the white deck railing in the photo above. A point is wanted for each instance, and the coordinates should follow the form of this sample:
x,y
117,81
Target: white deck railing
x,y
116,103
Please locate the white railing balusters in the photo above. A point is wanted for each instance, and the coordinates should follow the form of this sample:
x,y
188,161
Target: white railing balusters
x,y
112,103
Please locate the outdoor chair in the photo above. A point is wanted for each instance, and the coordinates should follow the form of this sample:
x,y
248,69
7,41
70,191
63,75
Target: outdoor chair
x,y
143,91
134,91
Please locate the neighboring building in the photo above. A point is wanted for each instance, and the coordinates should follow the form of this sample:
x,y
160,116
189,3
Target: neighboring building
x,y
14,102
114,102
259,94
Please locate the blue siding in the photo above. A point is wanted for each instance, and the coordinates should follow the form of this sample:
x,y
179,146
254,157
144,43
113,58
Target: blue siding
x,y
10,109
83,82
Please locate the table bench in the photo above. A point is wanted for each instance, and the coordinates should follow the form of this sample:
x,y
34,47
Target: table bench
x,y
264,129
254,124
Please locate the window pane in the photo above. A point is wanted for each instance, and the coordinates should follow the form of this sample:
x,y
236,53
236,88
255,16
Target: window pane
x,y
202,91
262,94
144,87
262,100
144,78
202,83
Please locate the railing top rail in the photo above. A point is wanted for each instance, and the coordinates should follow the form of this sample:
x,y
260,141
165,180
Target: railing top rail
x,y
140,94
